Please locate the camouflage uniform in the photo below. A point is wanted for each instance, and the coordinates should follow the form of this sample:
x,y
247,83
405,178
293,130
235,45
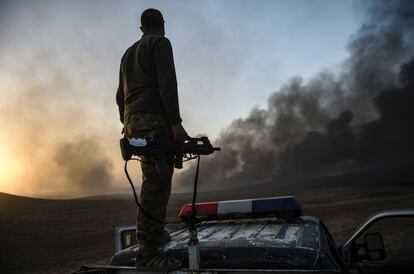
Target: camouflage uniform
x,y
148,105
156,181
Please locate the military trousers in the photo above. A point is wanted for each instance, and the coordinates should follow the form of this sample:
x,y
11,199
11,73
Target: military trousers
x,y
157,175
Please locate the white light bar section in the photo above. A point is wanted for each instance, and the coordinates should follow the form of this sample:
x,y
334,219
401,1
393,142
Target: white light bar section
x,y
238,206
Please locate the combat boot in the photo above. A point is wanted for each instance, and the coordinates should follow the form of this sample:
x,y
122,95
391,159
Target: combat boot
x,y
164,237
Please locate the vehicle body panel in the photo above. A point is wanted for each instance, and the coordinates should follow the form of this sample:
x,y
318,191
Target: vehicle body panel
x,y
265,243
345,248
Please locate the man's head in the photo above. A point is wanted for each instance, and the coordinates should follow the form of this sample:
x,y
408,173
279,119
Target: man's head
x,y
152,22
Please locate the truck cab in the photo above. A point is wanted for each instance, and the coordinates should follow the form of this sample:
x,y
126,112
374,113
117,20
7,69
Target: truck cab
x,y
266,235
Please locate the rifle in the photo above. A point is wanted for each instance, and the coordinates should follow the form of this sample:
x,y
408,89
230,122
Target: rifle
x,y
189,149
157,146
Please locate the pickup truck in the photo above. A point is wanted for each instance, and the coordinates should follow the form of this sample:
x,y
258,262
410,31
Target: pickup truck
x,y
267,235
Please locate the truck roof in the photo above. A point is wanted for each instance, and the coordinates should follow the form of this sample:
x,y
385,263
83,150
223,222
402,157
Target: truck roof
x,y
265,243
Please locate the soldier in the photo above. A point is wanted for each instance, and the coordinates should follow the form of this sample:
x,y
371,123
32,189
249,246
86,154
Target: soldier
x,y
148,106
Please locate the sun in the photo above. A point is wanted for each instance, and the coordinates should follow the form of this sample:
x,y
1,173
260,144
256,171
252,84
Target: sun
x,y
10,169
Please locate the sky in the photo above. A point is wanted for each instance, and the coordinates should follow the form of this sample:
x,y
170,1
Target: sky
x,y
59,63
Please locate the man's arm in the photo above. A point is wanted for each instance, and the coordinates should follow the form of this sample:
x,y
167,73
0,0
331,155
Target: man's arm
x,y
120,95
167,80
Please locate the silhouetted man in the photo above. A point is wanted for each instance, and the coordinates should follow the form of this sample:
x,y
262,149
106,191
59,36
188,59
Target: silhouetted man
x,y
148,105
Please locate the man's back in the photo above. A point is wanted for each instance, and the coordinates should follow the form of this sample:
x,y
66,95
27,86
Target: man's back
x,y
147,79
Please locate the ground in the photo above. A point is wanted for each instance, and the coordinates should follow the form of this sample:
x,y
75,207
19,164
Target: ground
x,y
58,236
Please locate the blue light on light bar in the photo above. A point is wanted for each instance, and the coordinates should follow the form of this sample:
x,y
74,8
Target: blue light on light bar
x,y
286,207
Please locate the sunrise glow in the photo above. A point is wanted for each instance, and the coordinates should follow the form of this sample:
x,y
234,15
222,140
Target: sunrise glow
x,y
10,169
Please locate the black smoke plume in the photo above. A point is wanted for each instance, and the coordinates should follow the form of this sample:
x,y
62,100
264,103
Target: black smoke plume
x,y
357,118
387,140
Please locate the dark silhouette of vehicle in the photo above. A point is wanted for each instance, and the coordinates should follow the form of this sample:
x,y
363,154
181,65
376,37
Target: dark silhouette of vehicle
x,y
266,235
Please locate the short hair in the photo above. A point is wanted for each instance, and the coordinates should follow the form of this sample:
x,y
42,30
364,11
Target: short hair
x,y
151,18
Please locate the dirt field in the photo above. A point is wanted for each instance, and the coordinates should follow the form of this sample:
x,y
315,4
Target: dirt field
x,y
58,236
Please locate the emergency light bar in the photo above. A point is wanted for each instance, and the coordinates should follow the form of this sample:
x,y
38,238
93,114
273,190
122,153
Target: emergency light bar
x,y
286,208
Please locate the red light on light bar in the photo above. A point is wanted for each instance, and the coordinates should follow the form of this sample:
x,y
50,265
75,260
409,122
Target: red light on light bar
x,y
201,209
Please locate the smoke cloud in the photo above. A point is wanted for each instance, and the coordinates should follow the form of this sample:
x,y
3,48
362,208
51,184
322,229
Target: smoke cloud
x,y
59,119
339,122
82,166
44,118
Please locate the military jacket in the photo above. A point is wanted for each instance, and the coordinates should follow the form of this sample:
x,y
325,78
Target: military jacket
x,y
147,80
